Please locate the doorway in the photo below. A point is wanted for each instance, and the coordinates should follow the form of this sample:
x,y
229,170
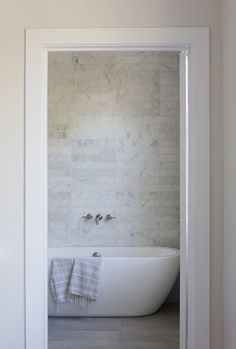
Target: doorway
x,y
195,218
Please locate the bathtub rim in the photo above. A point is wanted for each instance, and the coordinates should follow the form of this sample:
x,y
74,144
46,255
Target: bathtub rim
x,y
176,252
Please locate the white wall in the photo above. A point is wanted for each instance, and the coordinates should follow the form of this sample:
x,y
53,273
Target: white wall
x,y
15,16
229,70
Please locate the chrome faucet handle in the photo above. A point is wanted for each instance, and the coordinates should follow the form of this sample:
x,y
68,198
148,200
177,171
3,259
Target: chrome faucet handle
x,y
109,217
98,218
88,216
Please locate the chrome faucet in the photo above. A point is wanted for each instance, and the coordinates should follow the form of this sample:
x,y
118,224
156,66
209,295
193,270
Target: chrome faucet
x,y
88,216
98,218
109,217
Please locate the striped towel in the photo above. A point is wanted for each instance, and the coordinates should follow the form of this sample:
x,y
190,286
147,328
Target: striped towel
x,y
75,280
60,279
85,280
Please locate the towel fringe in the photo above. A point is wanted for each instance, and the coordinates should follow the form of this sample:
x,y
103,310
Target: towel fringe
x,y
73,299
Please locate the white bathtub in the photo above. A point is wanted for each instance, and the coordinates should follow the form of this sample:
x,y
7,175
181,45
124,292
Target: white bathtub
x,y
135,281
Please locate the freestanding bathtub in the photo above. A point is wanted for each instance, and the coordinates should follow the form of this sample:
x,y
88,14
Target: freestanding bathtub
x,y
135,281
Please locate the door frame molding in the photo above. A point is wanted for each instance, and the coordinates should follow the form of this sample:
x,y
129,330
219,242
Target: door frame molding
x,y
193,44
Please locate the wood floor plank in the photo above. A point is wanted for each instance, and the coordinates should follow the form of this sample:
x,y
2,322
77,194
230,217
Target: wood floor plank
x,y
156,331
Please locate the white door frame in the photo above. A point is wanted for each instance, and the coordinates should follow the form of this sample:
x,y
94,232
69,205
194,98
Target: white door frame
x,y
195,216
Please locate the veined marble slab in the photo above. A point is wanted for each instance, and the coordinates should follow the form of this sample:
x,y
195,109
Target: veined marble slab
x,y
113,147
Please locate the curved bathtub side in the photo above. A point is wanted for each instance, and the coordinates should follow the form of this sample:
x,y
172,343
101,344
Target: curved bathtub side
x,y
128,287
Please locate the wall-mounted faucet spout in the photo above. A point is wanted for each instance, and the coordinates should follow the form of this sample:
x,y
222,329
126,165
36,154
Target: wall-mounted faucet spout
x,y
98,218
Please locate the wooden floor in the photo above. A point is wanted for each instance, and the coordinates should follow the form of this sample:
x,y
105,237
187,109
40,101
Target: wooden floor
x,y
157,331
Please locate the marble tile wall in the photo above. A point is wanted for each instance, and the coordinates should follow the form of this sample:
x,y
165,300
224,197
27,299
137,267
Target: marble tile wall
x,y
113,147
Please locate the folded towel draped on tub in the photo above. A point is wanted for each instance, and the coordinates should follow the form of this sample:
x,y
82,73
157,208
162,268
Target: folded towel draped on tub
x,y
61,270
75,280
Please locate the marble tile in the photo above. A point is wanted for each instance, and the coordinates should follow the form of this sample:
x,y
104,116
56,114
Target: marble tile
x,y
113,147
